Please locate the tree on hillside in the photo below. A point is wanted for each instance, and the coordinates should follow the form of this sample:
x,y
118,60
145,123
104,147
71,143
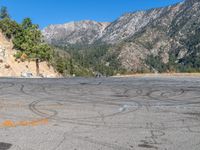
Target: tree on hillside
x,y
4,12
41,52
9,27
29,42
28,36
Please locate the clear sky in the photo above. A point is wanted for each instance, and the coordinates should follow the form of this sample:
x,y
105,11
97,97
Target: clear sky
x,y
46,12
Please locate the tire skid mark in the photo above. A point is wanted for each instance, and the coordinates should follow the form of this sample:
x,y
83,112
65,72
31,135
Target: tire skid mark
x,y
45,112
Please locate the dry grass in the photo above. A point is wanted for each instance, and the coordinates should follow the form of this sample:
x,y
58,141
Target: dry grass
x,y
161,74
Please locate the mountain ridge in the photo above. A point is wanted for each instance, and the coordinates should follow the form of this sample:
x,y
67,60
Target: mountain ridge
x,y
160,33
129,19
69,32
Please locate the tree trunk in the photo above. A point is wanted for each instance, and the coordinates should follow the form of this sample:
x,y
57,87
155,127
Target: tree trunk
x,y
37,67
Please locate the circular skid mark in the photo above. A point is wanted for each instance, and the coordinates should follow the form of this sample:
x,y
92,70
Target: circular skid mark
x,y
126,92
80,111
91,91
174,96
194,129
33,90
75,90
172,93
4,85
64,90
165,94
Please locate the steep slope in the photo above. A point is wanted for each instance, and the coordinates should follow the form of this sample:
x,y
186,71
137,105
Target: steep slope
x,y
9,67
83,32
128,25
176,31
170,34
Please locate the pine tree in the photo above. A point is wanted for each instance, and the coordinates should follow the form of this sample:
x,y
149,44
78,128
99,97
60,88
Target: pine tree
x,y
4,13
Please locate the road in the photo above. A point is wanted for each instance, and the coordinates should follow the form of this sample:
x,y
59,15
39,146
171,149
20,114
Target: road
x,y
138,113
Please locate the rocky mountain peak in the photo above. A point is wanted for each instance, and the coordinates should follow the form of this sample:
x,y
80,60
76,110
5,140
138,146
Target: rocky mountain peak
x,y
85,31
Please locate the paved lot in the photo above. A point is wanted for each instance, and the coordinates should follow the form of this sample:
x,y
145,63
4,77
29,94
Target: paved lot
x,y
100,114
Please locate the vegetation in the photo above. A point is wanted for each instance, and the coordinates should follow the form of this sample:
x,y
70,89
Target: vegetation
x,y
155,63
88,60
96,57
77,60
4,13
28,40
189,64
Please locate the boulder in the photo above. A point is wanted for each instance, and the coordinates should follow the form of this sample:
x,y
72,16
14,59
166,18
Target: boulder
x,y
7,66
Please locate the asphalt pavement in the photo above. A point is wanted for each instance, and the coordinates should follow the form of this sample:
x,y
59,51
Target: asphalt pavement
x,y
136,113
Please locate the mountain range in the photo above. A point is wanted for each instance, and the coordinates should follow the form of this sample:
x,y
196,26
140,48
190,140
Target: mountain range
x,y
168,36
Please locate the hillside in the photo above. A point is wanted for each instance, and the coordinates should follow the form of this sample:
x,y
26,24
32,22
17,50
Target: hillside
x,y
157,40
10,67
173,36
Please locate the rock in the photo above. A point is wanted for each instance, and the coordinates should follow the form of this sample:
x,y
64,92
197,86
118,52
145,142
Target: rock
x,y
7,66
27,75
23,57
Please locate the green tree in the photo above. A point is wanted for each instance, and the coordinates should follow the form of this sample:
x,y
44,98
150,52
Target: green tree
x,y
60,65
71,66
9,27
29,42
28,37
4,13
40,52
27,23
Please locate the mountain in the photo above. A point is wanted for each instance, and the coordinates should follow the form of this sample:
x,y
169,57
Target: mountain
x,y
87,32
174,32
74,32
161,39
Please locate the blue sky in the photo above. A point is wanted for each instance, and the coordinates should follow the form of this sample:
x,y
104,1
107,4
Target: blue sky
x,y
46,12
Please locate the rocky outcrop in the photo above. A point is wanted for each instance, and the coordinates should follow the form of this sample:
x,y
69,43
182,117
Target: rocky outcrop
x,y
83,32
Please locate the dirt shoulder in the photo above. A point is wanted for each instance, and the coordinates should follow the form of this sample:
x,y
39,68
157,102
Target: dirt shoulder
x,y
161,74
